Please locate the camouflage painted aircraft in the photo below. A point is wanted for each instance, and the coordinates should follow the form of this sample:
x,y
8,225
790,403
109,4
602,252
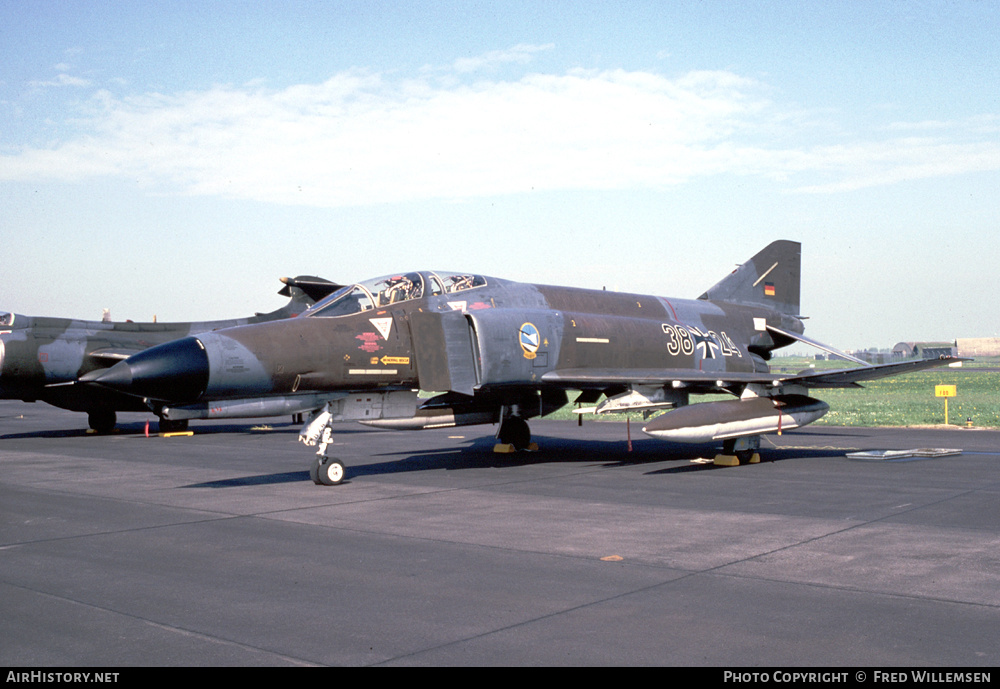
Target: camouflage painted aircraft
x,y
41,358
497,351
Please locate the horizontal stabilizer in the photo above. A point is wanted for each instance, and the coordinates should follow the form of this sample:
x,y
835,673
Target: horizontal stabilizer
x,y
817,344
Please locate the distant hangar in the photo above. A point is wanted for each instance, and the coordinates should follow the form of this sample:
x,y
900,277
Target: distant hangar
x,y
964,347
979,346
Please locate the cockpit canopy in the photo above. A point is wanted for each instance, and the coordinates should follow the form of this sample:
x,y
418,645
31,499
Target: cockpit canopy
x,y
385,291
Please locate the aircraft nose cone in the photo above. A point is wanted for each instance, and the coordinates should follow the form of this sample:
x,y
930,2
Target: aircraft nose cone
x,y
175,372
118,376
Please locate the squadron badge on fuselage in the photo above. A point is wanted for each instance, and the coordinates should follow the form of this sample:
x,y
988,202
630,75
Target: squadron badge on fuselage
x,y
529,340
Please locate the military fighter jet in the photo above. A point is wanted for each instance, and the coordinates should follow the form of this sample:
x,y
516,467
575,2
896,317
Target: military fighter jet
x,y
41,358
497,351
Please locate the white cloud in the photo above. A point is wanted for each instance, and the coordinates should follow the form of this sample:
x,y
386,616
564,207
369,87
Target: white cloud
x,y
363,138
520,54
897,160
61,80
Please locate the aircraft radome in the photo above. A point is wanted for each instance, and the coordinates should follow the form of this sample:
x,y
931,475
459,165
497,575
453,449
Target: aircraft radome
x,y
41,358
497,351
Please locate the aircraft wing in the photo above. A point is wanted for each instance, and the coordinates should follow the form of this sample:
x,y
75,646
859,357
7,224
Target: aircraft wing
x,y
849,377
717,380
678,377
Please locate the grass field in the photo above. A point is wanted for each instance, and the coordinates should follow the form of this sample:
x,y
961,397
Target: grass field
x,y
901,401
909,400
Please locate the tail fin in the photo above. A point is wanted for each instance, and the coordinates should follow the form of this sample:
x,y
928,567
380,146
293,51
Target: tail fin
x,y
771,279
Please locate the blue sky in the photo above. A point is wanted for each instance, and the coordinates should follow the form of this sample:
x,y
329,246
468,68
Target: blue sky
x,y
177,158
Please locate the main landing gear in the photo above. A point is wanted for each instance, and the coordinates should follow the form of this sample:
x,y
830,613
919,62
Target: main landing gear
x,y
736,451
102,421
513,435
168,426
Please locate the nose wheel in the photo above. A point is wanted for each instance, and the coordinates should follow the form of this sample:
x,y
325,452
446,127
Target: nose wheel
x,y
327,471
324,471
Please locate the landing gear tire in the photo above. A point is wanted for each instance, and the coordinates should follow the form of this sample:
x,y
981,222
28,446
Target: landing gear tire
x,y
102,420
327,471
514,431
168,426
743,448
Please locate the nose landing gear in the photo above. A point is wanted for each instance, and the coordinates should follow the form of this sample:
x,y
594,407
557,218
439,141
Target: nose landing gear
x,y
327,471
324,471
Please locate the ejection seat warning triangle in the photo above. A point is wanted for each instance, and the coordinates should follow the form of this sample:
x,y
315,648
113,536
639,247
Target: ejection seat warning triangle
x,y
383,325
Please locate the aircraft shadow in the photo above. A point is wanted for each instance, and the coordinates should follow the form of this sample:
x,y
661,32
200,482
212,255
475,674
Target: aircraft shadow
x,y
139,429
829,434
478,454
260,480
62,433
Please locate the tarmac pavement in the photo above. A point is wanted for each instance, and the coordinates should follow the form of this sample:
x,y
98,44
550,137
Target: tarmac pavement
x,y
217,549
